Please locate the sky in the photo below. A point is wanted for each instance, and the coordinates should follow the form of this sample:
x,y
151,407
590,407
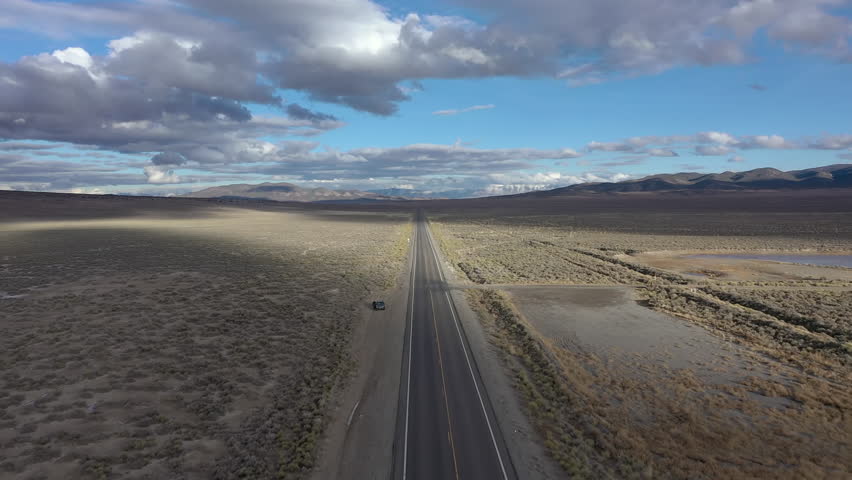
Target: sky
x,y
446,98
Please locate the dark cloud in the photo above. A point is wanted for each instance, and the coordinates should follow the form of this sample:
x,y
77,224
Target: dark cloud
x,y
168,158
25,173
179,78
12,146
758,87
192,106
631,145
832,142
209,68
624,162
354,53
51,153
629,37
294,110
411,160
60,175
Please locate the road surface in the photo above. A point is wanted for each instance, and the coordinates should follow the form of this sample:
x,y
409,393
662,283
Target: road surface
x,y
445,427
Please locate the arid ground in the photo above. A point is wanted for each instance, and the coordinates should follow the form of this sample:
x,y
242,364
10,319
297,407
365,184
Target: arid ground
x,y
635,359
158,338
161,338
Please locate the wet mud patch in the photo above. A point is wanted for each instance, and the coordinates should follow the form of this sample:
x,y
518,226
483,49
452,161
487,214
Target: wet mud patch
x,y
607,322
664,398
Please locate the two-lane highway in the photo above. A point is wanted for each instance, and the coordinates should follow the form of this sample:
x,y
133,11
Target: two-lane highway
x,y
446,427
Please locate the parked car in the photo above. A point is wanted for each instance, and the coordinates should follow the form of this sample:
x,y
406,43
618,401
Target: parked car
x,y
378,305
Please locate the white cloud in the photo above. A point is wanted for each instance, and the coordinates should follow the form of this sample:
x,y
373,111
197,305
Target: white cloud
x,y
74,56
717,137
712,150
766,141
705,143
467,55
160,174
88,190
513,183
357,52
463,110
662,152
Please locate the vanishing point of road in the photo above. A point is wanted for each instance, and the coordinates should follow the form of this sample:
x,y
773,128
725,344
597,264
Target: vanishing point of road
x,y
446,428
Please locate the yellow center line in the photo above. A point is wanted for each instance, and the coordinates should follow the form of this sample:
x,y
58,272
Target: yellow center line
x,y
444,383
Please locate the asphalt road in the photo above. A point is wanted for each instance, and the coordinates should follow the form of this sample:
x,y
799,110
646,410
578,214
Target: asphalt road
x,y
446,427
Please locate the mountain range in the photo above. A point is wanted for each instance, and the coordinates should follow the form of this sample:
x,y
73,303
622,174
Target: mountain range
x,y
831,176
287,192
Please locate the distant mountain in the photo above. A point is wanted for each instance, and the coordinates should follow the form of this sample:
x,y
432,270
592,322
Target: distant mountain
x,y
831,176
412,193
287,192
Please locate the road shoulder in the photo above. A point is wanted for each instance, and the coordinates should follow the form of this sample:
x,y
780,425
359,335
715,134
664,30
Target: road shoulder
x,y
358,443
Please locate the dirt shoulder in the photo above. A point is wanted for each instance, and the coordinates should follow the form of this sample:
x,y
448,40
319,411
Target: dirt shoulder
x,y
359,439
528,456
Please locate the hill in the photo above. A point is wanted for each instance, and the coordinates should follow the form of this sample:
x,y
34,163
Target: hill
x,y
831,176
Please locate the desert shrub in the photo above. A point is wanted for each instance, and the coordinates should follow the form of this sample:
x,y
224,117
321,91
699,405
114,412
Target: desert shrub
x,y
827,313
236,323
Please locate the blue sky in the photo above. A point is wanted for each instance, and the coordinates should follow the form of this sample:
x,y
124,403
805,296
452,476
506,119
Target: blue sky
x,y
774,84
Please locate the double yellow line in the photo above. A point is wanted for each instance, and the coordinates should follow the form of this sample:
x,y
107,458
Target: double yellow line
x,y
444,383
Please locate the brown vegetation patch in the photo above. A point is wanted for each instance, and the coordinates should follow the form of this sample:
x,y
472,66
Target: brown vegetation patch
x,y
602,417
784,413
193,348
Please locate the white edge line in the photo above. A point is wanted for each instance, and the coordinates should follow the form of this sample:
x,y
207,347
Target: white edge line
x,y
410,335
469,366
352,414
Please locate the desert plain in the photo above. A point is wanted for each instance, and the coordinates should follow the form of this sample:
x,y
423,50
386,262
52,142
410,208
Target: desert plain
x,y
645,345
184,338
190,341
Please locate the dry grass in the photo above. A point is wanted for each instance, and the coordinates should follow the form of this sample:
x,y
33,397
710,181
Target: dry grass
x,y
600,416
598,419
193,348
828,312
553,250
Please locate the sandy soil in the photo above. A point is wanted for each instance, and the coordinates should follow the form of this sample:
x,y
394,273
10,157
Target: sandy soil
x,y
180,346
